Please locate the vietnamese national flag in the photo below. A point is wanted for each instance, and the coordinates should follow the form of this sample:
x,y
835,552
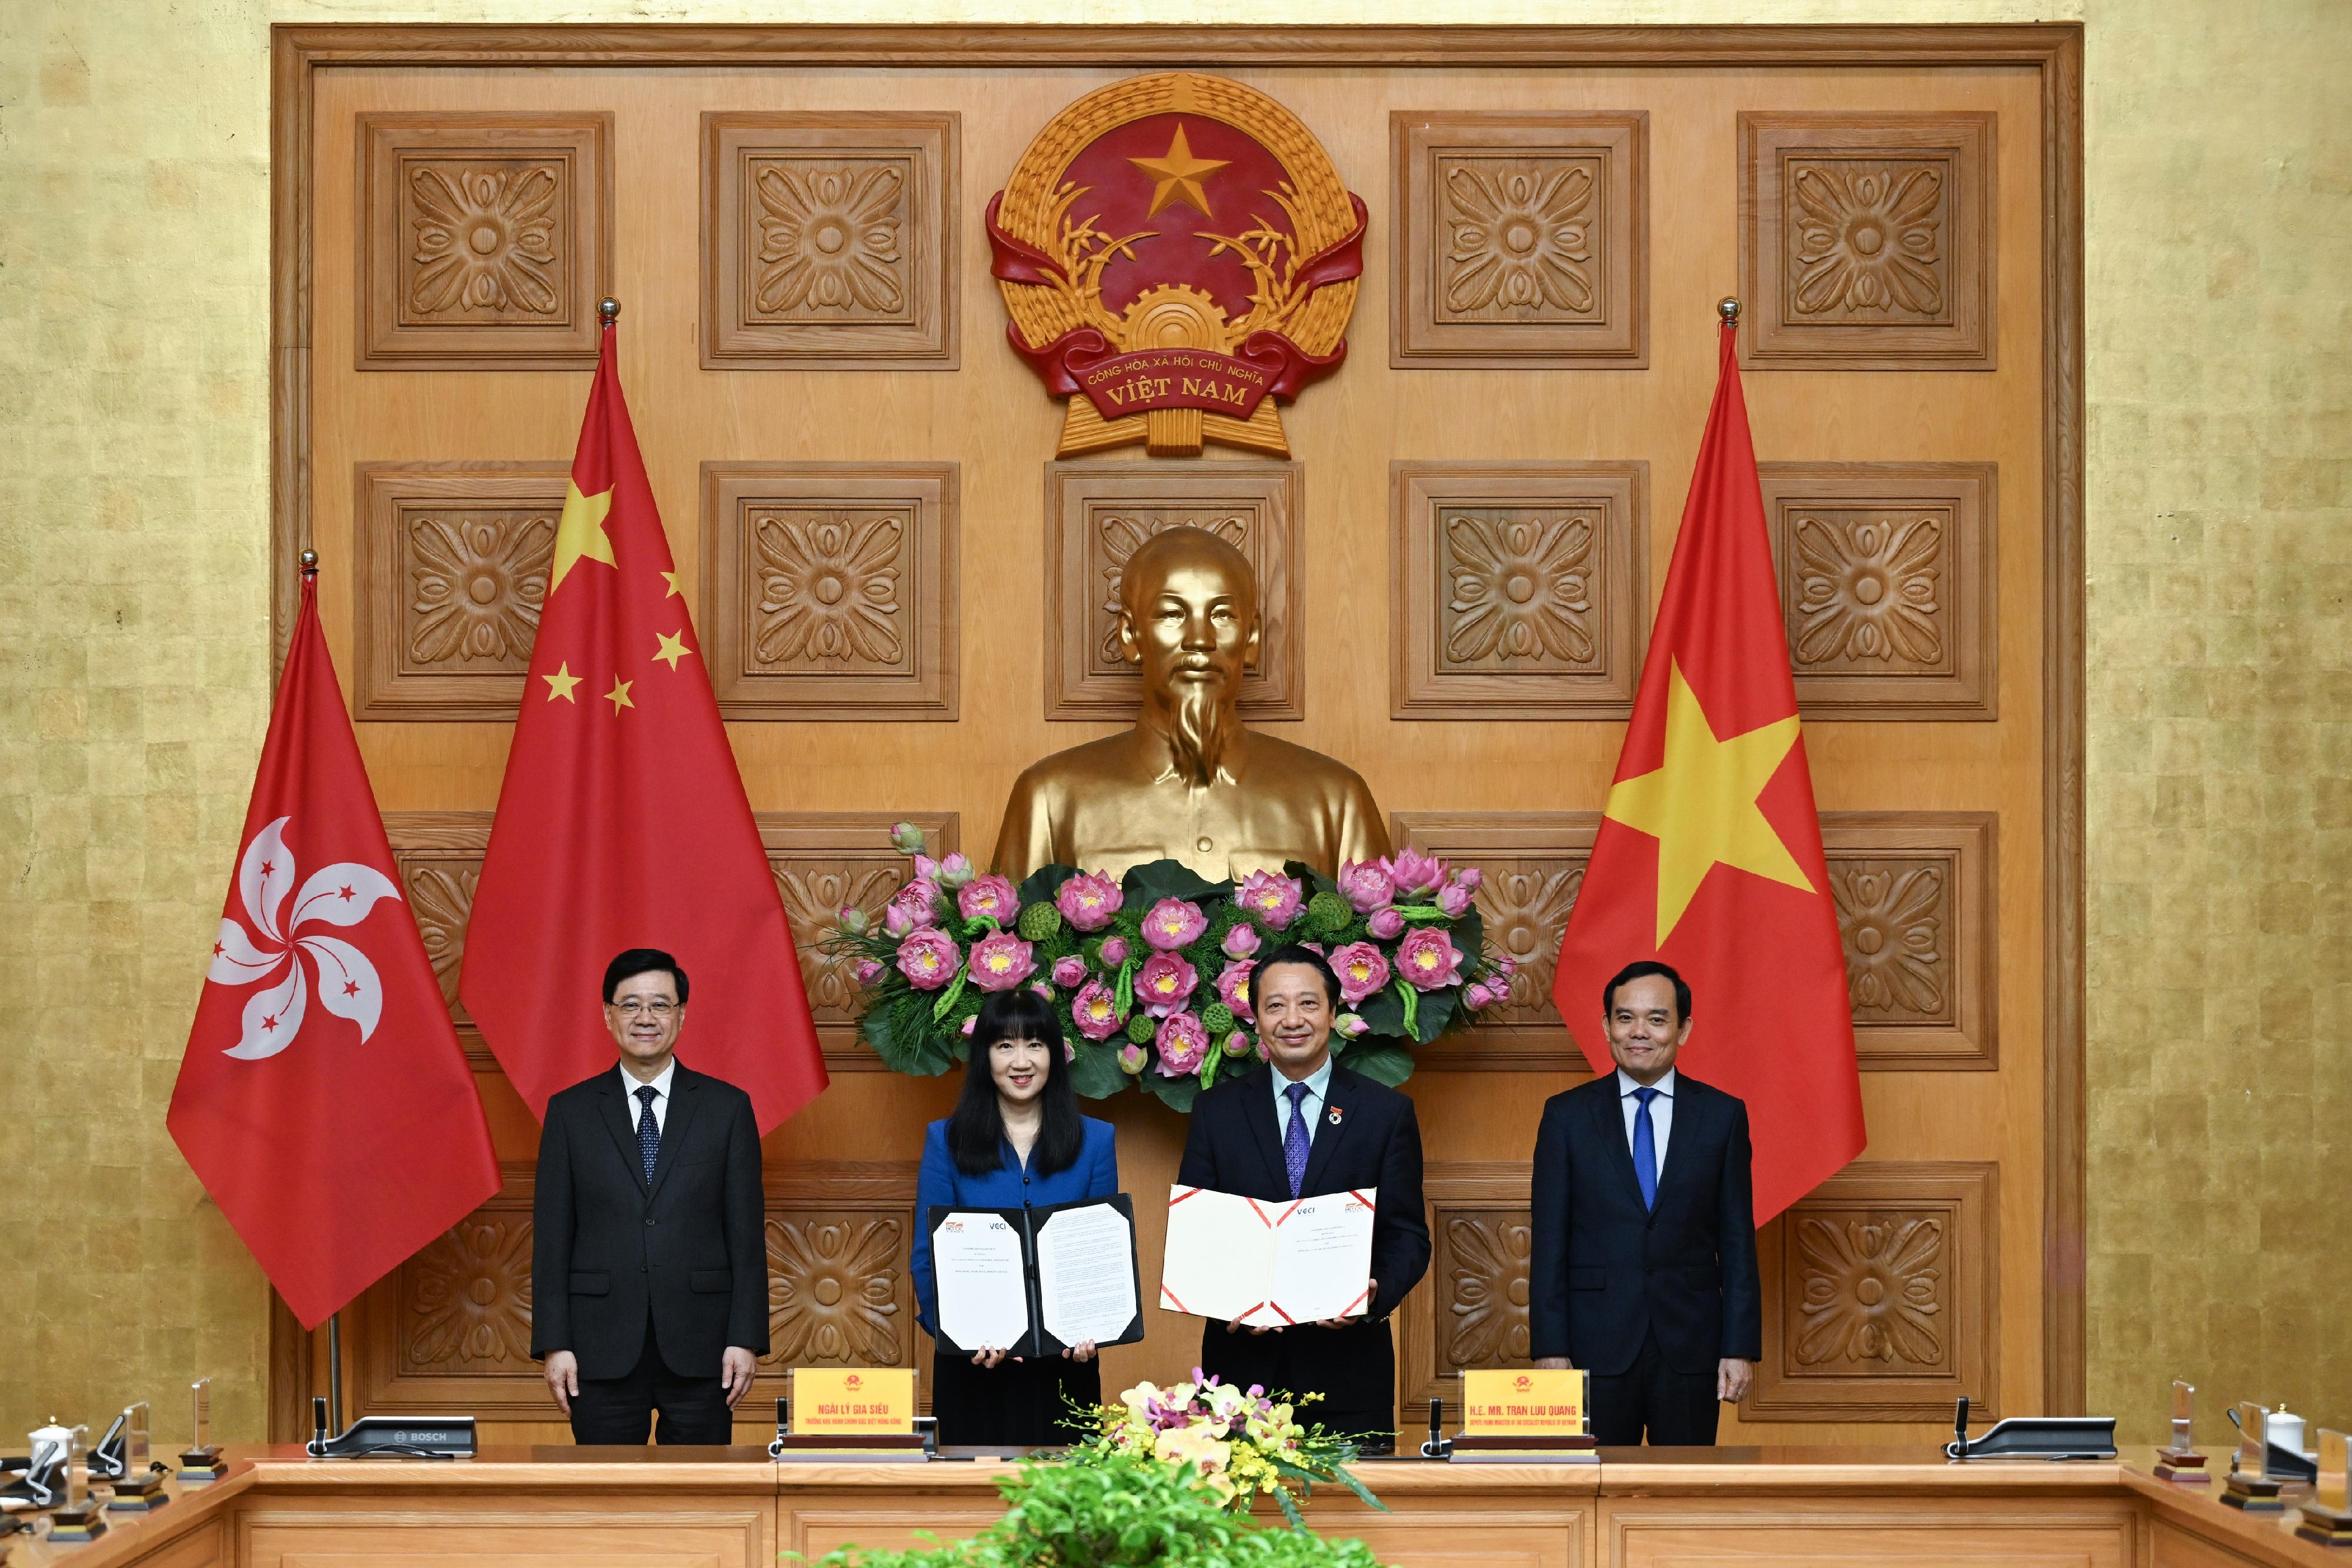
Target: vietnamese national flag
x,y
324,1101
1709,853
622,821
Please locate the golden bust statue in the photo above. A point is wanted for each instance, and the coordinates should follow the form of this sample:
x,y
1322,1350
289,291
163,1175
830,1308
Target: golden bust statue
x,y
1190,782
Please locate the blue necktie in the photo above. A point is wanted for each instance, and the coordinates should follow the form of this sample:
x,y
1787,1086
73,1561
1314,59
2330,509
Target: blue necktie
x,y
1293,1141
648,1131
1645,1148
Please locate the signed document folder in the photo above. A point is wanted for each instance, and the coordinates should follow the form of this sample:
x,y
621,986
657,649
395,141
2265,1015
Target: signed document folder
x,y
1036,1282
1246,1260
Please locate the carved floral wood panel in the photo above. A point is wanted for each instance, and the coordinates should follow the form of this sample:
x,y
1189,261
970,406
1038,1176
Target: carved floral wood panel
x,y
1099,514
1520,591
829,589
1889,586
1471,1309
1521,239
823,861
485,239
438,858
451,565
1882,1296
829,240
1866,240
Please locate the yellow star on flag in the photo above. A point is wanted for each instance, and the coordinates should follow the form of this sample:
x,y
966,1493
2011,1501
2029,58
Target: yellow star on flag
x,y
671,578
671,648
1179,175
560,683
1701,804
619,696
580,532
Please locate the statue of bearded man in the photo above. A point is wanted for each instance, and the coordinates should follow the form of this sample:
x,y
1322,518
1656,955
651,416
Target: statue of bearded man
x,y
1190,782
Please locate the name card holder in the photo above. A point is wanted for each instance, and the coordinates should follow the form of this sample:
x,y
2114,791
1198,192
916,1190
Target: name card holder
x,y
2181,1462
1532,1416
2327,1516
864,1413
2252,1488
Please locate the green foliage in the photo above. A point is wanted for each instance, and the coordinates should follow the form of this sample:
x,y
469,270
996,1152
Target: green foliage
x,y
1147,884
1043,883
1095,1072
1381,1060
1140,1029
1218,1020
1039,922
1116,1511
1176,1093
1329,913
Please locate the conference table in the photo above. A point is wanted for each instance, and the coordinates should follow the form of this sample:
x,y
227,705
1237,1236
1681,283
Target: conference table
x,y
1640,1507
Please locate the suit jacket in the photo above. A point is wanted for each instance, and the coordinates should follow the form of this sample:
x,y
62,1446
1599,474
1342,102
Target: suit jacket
x,y
941,1182
1603,1271
1235,1144
689,1249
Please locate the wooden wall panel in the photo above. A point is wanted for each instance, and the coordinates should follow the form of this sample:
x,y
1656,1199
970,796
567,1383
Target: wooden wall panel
x,y
829,241
1520,591
1915,910
1889,585
1520,240
488,239
1098,513
829,590
1471,1311
451,570
1866,241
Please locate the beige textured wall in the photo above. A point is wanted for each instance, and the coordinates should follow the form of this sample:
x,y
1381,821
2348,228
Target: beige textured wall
x,y
134,522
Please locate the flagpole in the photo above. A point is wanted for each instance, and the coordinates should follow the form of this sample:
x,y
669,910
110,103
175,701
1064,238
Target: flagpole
x,y
1728,309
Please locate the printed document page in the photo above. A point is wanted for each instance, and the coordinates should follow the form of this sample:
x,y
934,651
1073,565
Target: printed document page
x,y
1086,1273
1322,1259
1219,1261
983,1289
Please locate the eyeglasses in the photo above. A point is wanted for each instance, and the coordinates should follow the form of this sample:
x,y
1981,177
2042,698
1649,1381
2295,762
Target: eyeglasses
x,y
632,1006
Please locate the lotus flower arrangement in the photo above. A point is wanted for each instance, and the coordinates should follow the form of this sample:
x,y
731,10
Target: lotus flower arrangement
x,y
1244,1443
1152,969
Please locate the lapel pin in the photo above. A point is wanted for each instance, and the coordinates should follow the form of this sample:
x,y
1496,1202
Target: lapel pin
x,y
1335,1115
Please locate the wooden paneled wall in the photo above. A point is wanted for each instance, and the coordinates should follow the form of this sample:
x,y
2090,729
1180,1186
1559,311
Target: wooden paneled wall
x,y
903,596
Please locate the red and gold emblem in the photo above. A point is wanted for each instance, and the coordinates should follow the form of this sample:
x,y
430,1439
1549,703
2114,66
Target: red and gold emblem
x,y
1178,254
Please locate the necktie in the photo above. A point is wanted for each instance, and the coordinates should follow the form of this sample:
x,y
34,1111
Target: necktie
x,y
648,1131
1645,1148
1293,1141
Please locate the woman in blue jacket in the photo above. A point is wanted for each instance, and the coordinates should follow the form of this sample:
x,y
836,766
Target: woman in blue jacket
x,y
1016,1140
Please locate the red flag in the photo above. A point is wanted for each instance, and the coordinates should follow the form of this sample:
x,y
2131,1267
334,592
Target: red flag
x,y
1709,856
324,1102
622,821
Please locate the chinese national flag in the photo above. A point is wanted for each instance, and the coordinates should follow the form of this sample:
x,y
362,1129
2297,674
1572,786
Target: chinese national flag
x,y
1710,855
324,1102
622,821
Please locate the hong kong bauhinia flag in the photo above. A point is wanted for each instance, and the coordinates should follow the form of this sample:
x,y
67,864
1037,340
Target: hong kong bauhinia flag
x,y
1709,853
324,1101
622,821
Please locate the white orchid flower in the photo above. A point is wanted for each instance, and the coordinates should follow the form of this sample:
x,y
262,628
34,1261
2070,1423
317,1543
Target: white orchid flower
x,y
341,894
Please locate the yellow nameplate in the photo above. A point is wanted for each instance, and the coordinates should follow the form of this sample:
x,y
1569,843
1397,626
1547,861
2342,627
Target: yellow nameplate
x,y
853,1401
1523,1404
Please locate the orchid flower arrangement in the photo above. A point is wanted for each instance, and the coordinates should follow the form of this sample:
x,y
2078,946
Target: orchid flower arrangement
x,y
1244,1443
1152,970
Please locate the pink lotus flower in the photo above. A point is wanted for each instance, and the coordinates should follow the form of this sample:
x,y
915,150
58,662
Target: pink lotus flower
x,y
1507,966
1183,1045
1361,971
1096,1011
1070,971
989,897
1429,960
966,1029
1273,900
1232,986
1133,1058
1454,899
1478,996
897,921
1471,877
1041,990
869,971
1164,984
1087,902
1241,941
1386,924
955,871
929,959
1174,924
1413,872
926,868
1366,885
1350,1025
1237,1043
915,901
1001,961
1114,951
853,920
906,837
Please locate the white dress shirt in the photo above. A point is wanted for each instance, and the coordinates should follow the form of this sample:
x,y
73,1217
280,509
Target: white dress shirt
x,y
1661,1111
1311,1107
631,1083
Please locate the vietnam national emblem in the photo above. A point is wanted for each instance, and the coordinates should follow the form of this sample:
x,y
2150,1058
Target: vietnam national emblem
x,y
1178,255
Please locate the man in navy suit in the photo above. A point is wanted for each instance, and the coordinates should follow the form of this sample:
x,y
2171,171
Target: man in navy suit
x,y
1643,1260
1302,1128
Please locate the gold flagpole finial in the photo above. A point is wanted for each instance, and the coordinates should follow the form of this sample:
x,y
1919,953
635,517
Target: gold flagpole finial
x,y
1728,309
608,310
309,562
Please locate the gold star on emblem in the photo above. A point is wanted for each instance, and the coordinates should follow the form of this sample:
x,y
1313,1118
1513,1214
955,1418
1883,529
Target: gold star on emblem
x,y
1701,804
580,531
671,578
1179,175
560,683
672,648
619,696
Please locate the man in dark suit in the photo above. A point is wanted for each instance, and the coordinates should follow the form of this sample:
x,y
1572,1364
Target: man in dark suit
x,y
1644,1258
649,1261
1304,1128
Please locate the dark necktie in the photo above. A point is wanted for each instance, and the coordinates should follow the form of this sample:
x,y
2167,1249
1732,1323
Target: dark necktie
x,y
648,1131
1293,1141
1645,1148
